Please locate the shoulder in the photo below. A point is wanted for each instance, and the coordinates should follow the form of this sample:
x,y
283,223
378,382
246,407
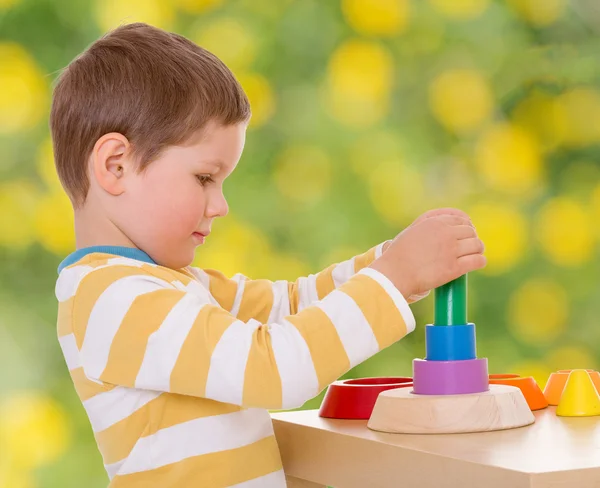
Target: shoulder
x,y
99,271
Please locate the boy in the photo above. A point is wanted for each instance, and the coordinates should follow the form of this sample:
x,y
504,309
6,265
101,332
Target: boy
x,y
176,367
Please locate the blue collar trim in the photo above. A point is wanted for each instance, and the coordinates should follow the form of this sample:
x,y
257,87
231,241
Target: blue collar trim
x,y
126,252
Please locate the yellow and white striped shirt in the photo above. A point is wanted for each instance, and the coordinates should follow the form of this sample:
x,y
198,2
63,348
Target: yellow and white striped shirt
x,y
176,368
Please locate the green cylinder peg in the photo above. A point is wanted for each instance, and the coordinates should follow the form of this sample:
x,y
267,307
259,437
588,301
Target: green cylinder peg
x,y
451,303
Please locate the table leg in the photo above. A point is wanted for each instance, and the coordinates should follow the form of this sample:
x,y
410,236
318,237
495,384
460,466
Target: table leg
x,y
298,483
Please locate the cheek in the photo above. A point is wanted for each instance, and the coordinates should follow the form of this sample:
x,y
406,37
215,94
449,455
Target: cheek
x,y
173,207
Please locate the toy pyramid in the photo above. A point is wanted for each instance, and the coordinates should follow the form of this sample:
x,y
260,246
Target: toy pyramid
x,y
579,397
451,391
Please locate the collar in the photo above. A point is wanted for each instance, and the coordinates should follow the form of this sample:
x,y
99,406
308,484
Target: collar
x,y
126,252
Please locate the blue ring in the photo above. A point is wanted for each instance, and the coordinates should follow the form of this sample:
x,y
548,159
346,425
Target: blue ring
x,y
450,342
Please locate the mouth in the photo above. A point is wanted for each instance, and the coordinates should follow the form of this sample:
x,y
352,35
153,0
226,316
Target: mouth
x,y
200,236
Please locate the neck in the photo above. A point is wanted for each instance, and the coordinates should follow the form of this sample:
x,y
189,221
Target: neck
x,y
92,228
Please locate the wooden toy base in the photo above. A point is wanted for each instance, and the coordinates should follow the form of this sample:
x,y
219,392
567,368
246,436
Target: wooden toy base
x,y
403,412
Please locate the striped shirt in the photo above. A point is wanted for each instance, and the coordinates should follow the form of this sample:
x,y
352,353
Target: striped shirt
x,y
177,369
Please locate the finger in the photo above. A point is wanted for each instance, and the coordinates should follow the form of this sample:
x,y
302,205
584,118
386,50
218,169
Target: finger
x,y
454,220
427,215
470,246
469,263
464,232
444,211
415,298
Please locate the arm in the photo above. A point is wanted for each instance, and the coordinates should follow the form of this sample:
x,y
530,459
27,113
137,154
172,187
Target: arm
x,y
268,301
141,331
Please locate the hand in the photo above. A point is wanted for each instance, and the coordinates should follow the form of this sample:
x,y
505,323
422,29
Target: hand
x,y
438,247
432,213
441,211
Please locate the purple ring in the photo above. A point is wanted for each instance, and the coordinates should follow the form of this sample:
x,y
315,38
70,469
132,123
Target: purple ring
x,y
450,377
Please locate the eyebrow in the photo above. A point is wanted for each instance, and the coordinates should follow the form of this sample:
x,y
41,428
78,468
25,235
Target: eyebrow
x,y
215,162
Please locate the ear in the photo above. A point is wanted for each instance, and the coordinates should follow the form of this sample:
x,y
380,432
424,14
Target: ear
x,y
111,161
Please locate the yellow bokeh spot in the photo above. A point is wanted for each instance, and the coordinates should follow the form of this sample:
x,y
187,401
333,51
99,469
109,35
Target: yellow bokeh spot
x,y
538,311
14,477
260,94
34,429
539,12
509,158
572,357
377,17
461,100
372,149
595,209
234,247
577,117
537,114
18,202
46,167
361,69
23,89
303,174
54,225
230,40
113,13
504,231
540,370
460,9
359,79
397,192
6,4
197,6
565,233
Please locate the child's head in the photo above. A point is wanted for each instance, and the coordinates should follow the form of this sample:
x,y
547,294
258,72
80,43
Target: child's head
x,y
146,125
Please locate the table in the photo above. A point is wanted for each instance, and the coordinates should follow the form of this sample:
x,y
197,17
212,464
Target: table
x,y
554,452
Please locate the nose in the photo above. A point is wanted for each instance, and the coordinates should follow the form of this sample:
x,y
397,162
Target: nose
x,y
217,206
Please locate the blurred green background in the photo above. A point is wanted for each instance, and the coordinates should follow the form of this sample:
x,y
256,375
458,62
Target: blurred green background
x,y
366,114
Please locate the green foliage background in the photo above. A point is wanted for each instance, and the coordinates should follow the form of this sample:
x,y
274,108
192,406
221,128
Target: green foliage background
x,y
366,114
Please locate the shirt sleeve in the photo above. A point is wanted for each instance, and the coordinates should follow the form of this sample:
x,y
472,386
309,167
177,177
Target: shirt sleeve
x,y
140,331
269,301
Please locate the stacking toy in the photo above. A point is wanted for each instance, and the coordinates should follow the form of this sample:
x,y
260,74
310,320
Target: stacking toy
x,y
354,399
451,391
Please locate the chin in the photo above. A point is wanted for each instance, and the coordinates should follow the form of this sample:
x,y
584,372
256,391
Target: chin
x,y
187,260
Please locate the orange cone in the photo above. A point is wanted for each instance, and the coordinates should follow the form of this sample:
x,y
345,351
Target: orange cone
x,y
530,389
555,386
579,398
596,380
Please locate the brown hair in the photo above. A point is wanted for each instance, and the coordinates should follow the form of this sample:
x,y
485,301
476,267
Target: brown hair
x,y
154,87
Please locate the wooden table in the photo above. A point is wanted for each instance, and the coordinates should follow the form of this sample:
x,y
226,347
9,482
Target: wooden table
x,y
554,452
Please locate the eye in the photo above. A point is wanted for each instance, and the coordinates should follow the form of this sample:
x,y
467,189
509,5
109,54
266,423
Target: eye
x,y
205,179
